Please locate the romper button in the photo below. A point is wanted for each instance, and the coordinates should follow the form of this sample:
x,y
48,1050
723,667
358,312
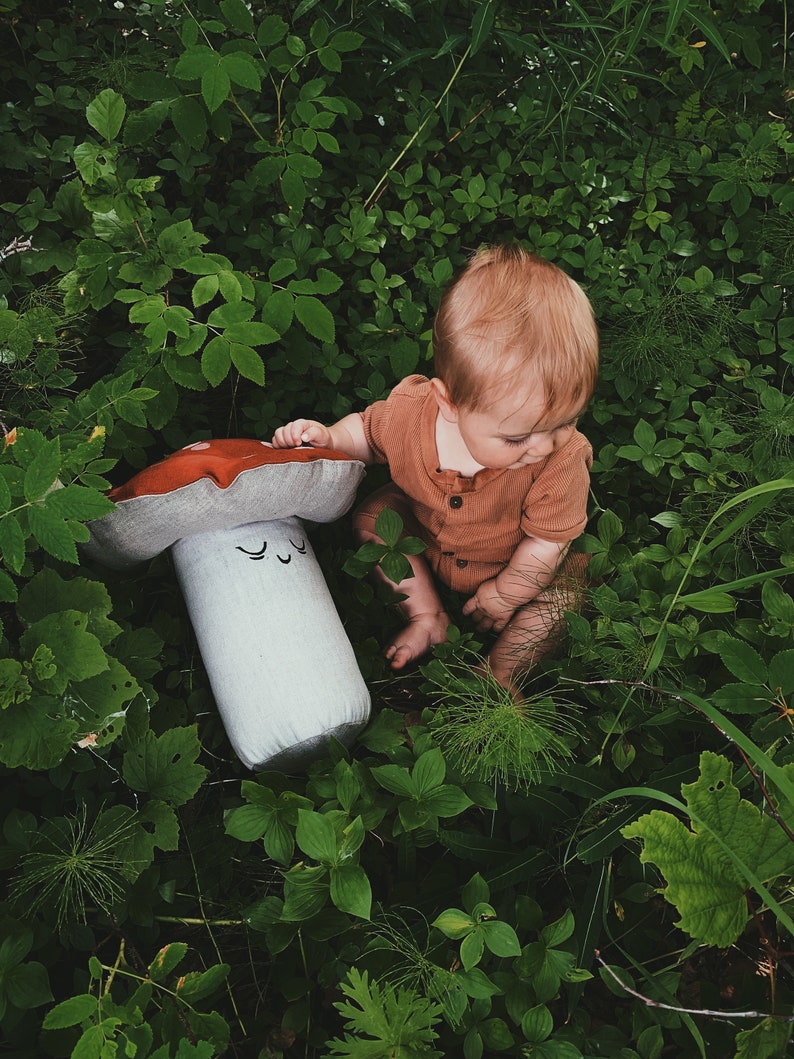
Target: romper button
x,y
447,553
462,563
456,501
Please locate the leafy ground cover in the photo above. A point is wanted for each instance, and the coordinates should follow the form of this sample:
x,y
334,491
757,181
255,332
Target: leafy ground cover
x,y
216,217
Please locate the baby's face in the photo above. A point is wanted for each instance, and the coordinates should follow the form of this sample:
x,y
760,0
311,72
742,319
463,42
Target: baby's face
x,y
516,431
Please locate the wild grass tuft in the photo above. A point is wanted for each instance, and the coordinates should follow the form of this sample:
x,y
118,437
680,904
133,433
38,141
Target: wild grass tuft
x,y
490,734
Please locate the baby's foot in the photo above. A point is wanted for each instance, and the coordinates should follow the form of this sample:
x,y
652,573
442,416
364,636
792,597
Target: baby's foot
x,y
416,639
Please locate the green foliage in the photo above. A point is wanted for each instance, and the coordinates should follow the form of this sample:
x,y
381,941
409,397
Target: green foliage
x,y
219,217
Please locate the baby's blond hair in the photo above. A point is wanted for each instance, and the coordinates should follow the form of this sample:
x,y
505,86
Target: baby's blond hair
x,y
510,316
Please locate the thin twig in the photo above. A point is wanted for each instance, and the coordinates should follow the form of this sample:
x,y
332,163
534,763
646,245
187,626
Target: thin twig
x,y
726,1016
17,246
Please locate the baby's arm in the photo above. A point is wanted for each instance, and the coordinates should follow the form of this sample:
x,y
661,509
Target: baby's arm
x,y
532,567
345,436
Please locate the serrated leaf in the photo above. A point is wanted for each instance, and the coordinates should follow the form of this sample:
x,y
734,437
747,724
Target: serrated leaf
x,y
43,470
216,360
215,85
77,653
70,1012
248,363
708,868
165,766
36,734
106,112
190,121
742,660
53,534
79,502
241,69
315,317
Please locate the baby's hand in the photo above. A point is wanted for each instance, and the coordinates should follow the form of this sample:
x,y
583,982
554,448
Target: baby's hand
x,y
302,432
488,608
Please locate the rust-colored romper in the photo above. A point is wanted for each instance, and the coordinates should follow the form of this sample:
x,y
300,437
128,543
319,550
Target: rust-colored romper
x,y
471,526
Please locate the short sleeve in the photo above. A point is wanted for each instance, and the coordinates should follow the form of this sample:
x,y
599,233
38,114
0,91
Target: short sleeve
x,y
555,508
376,418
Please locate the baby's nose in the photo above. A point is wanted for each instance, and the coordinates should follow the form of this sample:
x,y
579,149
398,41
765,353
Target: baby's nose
x,y
540,444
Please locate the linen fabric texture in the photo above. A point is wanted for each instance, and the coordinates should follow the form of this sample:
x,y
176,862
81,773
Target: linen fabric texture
x,y
471,525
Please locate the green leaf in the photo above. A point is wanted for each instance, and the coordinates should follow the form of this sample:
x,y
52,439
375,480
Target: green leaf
x,y
248,363
316,836
501,939
53,534
106,112
77,653
394,779
241,69
350,890
216,360
709,869
315,317
389,526
454,924
190,121
70,1012
482,24
237,15
165,766
742,660
215,85
79,502
42,472
429,772
169,957
36,734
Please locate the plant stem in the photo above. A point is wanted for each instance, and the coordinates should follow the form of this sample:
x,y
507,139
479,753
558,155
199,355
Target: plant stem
x,y
374,193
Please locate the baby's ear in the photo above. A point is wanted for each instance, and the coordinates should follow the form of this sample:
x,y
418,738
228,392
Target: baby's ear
x,y
448,410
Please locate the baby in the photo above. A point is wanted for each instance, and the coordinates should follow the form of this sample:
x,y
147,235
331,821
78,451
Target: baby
x,y
486,463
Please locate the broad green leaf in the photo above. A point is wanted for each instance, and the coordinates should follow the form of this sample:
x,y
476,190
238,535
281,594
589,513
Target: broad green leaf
x,y
248,363
710,868
742,660
316,836
190,121
482,24
238,16
350,890
165,766
537,1023
42,472
12,543
78,502
36,734
204,290
429,772
454,923
28,986
395,779
250,332
241,69
77,653
306,891
53,534
215,85
106,113
70,1012
500,938
315,317
471,949
216,360
389,526
169,957
781,672
559,931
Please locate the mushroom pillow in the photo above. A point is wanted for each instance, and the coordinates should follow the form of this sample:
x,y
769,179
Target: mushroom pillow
x,y
279,662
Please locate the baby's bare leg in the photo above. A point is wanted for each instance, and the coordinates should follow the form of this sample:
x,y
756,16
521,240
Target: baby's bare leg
x,y
534,632
422,606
